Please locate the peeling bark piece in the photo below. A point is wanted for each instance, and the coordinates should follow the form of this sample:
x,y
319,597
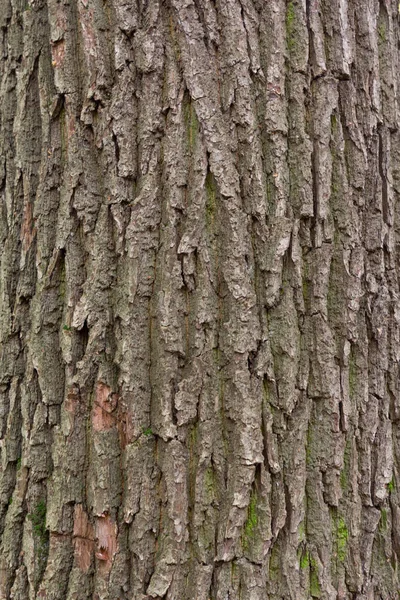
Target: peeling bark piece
x,y
106,541
83,539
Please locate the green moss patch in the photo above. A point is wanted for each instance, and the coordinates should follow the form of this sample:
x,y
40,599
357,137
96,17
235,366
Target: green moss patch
x,y
251,523
40,536
315,588
342,537
290,26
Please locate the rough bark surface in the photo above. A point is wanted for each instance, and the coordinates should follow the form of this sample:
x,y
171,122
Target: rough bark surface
x,y
199,299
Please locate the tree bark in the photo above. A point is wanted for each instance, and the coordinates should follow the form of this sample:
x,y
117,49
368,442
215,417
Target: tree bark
x,y
199,299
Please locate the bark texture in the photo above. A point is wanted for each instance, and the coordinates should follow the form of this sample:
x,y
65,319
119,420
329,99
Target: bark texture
x,y
199,299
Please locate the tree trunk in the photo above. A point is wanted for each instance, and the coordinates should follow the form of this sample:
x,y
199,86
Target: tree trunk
x,y
199,300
